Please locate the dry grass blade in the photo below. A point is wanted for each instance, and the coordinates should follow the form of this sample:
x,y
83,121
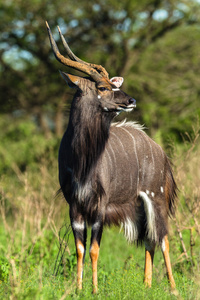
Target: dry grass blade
x,y
62,248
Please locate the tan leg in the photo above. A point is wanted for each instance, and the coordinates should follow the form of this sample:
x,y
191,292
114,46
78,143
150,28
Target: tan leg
x,y
148,269
80,258
94,254
165,251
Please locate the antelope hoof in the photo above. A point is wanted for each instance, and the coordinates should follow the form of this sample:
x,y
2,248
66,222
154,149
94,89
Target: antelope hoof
x,y
175,292
95,290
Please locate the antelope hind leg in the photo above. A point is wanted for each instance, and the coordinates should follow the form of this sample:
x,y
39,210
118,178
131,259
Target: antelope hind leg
x,y
165,251
148,268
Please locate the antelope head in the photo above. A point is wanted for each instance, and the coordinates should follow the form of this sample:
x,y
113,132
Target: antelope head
x,y
106,93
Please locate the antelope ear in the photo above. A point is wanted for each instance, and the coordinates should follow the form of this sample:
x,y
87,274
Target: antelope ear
x,y
72,80
117,81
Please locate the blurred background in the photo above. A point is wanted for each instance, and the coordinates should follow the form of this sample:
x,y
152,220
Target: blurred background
x,y
155,46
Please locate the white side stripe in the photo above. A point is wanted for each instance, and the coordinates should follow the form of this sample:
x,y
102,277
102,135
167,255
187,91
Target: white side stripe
x,y
135,150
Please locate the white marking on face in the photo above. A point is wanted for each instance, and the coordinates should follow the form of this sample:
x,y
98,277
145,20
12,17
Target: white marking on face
x,y
115,90
99,97
163,245
152,194
78,225
150,215
147,192
127,109
161,189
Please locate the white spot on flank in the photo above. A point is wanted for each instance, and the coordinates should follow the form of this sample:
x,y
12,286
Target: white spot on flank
x,y
161,189
150,215
105,108
147,192
78,226
163,245
152,194
99,97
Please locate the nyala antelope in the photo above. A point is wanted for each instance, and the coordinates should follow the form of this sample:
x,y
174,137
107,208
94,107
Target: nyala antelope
x,y
111,173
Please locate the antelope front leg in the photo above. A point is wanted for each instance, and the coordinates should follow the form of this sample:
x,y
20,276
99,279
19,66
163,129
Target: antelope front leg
x,y
165,251
148,269
80,236
97,230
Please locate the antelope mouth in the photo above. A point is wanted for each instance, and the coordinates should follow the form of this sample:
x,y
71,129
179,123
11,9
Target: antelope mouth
x,y
126,108
120,108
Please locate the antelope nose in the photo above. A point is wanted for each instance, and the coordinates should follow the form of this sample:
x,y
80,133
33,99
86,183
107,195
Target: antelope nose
x,y
132,101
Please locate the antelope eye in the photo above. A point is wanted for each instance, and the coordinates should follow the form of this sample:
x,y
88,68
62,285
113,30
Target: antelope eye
x,y
102,89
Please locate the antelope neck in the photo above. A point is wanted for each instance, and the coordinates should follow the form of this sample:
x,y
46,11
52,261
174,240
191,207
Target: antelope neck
x,y
90,132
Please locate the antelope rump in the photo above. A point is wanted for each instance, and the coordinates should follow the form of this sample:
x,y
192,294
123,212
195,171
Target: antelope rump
x,y
111,173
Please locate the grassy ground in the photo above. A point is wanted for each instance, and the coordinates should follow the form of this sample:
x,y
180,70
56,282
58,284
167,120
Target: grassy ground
x,y
120,273
33,223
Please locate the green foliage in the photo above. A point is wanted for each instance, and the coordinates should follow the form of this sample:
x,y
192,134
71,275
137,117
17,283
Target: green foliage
x,y
168,83
22,145
4,269
154,45
31,218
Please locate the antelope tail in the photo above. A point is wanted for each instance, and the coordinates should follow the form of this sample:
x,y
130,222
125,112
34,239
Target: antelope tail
x,y
150,216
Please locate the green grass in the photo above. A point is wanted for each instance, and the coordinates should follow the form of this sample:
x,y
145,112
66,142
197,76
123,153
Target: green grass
x,y
30,222
29,228
120,273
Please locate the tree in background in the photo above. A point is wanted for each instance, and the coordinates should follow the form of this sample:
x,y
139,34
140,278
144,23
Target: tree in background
x,y
153,44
